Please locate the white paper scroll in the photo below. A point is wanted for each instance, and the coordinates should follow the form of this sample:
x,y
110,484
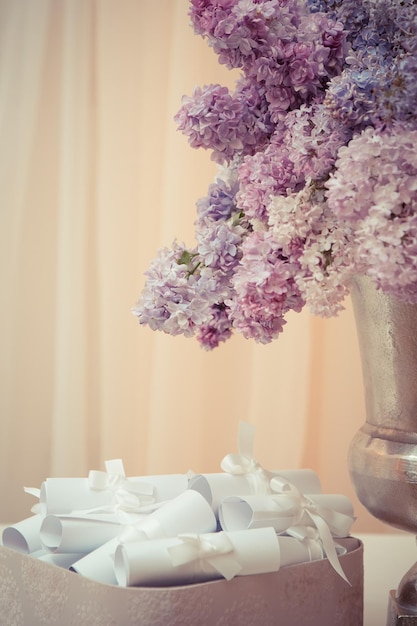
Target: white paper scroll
x,y
60,559
302,546
24,535
216,487
77,535
98,565
244,463
188,512
306,480
284,510
162,529
65,495
197,558
329,515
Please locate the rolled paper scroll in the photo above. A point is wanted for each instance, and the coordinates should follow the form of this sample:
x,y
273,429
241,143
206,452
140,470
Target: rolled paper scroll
x,y
284,510
331,515
329,522
216,487
61,496
77,535
307,547
60,559
243,475
107,491
244,463
98,565
188,512
24,535
196,558
306,480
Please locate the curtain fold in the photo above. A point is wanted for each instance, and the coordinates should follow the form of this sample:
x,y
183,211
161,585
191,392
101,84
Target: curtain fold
x,y
25,391
94,178
76,180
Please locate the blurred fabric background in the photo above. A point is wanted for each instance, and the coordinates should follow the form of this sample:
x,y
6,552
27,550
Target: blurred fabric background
x,y
94,178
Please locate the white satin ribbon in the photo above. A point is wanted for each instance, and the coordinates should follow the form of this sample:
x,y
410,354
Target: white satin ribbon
x,y
127,496
216,549
310,537
338,523
318,519
187,513
245,463
34,491
327,521
132,533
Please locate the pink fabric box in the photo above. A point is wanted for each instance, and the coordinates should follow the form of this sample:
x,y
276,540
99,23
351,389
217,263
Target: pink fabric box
x,y
33,593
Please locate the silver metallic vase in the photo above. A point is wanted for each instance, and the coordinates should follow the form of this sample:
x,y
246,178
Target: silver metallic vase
x,y
383,454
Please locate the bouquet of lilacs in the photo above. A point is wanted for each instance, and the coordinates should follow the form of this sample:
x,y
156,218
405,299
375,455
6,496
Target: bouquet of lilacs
x,y
317,179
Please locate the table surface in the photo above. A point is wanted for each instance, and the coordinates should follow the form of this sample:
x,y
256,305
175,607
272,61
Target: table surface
x,y
387,557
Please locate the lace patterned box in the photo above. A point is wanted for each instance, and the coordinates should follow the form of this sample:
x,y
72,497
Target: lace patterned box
x,y
310,594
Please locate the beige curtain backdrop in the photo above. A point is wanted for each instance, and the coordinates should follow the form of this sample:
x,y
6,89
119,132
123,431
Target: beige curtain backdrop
x,y
94,178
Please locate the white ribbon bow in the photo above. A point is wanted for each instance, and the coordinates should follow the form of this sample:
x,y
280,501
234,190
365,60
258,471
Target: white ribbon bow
x,y
244,462
324,519
327,521
215,548
126,495
310,537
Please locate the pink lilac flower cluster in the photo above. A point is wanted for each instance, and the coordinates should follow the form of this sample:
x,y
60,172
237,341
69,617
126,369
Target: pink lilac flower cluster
x,y
317,154
379,167
303,148
265,289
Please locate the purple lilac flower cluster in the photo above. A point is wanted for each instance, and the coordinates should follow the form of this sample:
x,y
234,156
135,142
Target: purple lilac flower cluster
x,y
317,154
287,56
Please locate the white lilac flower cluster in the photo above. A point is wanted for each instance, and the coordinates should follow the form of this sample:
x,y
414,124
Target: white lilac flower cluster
x,y
317,154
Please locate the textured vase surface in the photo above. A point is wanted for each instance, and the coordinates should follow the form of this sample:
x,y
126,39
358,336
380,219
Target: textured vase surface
x,y
383,454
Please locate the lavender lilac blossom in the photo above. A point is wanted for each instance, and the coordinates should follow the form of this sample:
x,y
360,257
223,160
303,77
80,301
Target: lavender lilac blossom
x,y
317,150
